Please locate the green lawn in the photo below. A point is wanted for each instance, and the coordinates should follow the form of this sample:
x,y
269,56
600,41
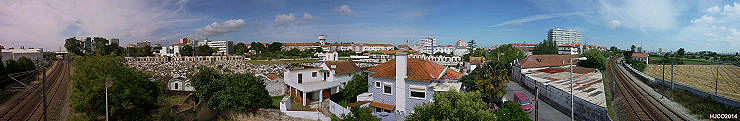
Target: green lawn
x,y
696,62
296,105
260,62
276,101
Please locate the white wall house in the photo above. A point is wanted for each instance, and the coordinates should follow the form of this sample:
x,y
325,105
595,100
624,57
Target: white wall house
x,y
311,85
328,56
171,51
180,84
568,49
223,47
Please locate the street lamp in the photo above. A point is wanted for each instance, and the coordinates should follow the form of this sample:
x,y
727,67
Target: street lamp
x,y
108,84
572,117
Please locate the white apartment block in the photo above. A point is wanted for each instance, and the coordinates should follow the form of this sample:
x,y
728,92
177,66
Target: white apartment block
x,y
171,51
223,47
563,36
427,45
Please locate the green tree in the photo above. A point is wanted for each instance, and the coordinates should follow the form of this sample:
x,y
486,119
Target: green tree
x,y
99,45
632,48
471,44
510,111
186,50
506,54
595,59
627,55
681,52
258,47
131,96
275,47
240,49
545,47
490,79
204,50
25,64
13,67
73,46
356,86
359,114
614,50
146,51
227,91
453,106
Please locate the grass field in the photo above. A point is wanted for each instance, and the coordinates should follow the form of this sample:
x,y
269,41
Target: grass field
x,y
260,62
702,77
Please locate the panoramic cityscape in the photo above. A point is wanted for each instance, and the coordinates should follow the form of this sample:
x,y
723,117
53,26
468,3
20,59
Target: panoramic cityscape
x,y
276,60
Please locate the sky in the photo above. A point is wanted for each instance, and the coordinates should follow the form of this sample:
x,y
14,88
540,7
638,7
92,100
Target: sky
x,y
669,24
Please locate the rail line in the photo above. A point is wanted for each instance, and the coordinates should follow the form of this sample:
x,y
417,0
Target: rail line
x,y
23,108
640,104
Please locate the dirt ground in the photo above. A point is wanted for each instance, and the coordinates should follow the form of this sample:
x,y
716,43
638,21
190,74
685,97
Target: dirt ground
x,y
702,77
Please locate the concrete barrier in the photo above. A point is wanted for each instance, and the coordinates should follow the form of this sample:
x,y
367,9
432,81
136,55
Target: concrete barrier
x,y
313,115
696,92
337,109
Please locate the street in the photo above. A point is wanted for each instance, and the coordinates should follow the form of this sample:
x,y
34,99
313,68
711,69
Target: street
x,y
547,112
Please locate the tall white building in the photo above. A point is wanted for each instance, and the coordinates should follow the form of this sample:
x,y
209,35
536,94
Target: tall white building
x,y
563,36
428,45
223,47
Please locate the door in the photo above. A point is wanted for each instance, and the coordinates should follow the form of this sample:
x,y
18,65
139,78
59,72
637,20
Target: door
x,y
326,93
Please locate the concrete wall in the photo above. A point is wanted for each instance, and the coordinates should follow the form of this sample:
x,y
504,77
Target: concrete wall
x,y
696,92
337,109
313,115
560,100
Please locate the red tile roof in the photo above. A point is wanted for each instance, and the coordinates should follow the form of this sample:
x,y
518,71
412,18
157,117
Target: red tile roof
x,y
343,67
390,51
535,61
382,105
417,69
272,76
640,55
522,44
462,47
525,48
305,69
301,44
403,46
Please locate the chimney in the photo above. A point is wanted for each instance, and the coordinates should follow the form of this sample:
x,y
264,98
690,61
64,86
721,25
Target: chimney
x,y
400,85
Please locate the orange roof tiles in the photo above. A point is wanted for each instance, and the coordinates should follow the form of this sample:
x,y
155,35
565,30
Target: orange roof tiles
x,y
403,45
462,47
515,44
305,69
640,55
382,105
418,70
272,76
535,61
390,51
301,44
343,67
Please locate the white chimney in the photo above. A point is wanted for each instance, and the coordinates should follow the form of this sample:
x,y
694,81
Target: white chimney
x,y
400,86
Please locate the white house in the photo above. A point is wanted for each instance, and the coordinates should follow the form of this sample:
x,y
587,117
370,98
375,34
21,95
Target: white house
x,y
312,85
171,51
641,57
328,56
568,49
180,83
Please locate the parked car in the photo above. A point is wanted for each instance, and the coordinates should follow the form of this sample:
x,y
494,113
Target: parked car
x,y
523,101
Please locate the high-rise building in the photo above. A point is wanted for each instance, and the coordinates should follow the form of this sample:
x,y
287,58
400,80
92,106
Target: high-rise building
x,y
322,39
428,45
184,41
143,44
223,47
660,51
563,36
114,41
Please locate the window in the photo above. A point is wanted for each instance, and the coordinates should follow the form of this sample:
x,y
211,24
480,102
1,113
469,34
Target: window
x,y
300,78
177,85
418,92
387,88
313,74
377,84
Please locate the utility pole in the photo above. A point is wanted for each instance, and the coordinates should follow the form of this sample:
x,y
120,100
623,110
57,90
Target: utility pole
x,y
663,81
43,67
672,80
716,83
108,83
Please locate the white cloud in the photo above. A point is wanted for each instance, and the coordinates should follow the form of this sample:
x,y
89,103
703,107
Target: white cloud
x,y
713,9
519,22
284,19
344,9
218,29
640,14
703,19
42,23
733,9
308,16
613,24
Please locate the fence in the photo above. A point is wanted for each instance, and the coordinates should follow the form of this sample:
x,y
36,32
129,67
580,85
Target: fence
x,y
337,109
313,115
694,91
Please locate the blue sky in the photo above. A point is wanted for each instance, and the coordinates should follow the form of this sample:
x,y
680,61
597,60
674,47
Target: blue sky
x,y
667,24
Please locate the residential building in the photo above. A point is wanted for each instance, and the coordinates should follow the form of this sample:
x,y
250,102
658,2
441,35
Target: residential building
x,y
171,51
442,60
569,49
444,49
114,41
564,36
301,46
13,53
312,85
460,51
403,47
1,55
474,63
427,45
461,43
223,47
328,56
527,49
322,39
143,44
184,41
641,57
397,86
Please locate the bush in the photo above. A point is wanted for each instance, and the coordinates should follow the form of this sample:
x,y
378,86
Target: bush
x,y
511,111
242,92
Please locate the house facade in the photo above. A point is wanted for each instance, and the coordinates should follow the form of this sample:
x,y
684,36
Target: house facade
x,y
397,86
311,85
641,57
180,83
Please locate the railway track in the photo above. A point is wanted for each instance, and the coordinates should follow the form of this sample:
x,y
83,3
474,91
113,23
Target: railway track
x,y
30,103
637,103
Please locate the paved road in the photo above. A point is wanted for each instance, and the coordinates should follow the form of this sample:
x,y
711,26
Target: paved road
x,y
547,112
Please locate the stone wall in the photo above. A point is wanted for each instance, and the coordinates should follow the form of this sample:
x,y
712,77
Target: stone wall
x,y
560,100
